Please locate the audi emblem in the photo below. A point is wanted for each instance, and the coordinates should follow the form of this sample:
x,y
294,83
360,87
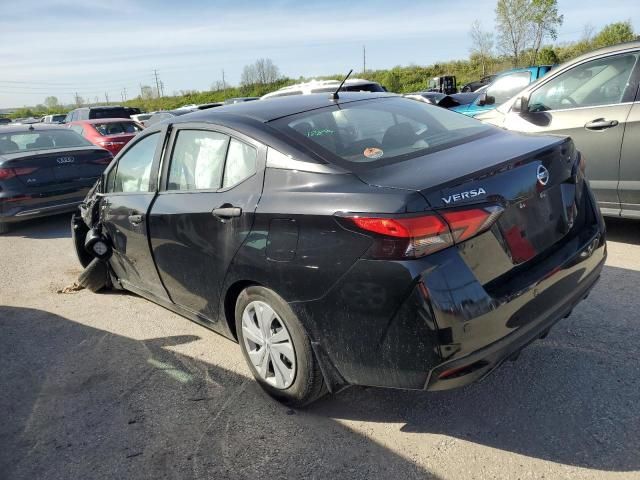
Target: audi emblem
x,y
63,160
543,175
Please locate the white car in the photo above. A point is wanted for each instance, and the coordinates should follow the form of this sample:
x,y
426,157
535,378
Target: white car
x,y
319,86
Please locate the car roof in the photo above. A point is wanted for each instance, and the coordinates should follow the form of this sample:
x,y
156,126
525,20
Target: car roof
x,y
619,47
102,120
307,87
32,127
278,107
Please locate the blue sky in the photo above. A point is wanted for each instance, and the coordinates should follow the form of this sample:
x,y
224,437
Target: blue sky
x,y
58,47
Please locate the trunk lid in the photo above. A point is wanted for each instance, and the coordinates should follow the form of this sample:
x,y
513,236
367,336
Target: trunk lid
x,y
532,177
37,168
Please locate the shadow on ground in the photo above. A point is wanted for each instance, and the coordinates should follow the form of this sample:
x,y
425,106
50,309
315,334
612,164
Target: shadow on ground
x,y
623,230
571,398
56,226
82,403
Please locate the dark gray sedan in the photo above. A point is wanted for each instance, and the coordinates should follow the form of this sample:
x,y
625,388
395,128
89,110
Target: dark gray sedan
x,y
45,170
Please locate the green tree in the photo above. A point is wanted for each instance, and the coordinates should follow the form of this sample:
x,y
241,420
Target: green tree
x,y
544,23
548,56
482,45
614,33
513,22
51,102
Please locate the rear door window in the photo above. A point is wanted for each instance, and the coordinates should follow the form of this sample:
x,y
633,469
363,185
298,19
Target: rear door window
x,y
197,161
241,163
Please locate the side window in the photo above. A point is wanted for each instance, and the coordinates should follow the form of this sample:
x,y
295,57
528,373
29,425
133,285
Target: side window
x,y
507,86
133,171
598,82
241,163
77,128
197,161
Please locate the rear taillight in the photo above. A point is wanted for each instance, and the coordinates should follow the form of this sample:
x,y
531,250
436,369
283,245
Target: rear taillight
x,y
8,173
417,236
103,161
465,224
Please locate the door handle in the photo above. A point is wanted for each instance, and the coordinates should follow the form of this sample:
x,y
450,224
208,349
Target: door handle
x,y
135,219
600,124
225,213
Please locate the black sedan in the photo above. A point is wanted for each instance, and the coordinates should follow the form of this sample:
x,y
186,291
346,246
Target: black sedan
x,y
45,170
369,240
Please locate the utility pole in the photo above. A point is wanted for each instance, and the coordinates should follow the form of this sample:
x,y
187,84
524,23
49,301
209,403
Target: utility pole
x,y
141,91
124,94
97,100
224,86
162,87
106,97
155,73
364,59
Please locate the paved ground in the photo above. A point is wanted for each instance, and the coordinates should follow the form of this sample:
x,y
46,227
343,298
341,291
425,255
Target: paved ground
x,y
112,386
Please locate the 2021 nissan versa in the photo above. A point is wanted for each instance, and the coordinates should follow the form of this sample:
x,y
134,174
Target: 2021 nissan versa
x,y
369,240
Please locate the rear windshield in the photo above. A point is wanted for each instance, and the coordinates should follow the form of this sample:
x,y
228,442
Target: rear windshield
x,y
44,140
116,128
381,131
110,113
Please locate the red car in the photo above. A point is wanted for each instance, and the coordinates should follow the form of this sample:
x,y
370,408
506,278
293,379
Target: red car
x,y
109,133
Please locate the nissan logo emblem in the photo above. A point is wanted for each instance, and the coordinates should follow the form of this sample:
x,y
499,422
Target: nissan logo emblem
x,y
542,175
65,160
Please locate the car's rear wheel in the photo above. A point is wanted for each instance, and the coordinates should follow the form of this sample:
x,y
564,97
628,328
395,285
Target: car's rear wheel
x,y
277,348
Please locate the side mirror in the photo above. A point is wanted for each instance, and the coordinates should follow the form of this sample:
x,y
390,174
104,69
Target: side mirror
x,y
482,99
521,105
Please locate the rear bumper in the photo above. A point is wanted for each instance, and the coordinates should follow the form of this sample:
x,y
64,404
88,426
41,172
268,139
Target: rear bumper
x,y
20,206
478,364
403,324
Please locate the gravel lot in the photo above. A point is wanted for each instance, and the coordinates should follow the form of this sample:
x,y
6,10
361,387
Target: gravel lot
x,y
113,386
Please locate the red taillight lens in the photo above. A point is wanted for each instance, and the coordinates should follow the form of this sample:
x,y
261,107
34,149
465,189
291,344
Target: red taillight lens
x,y
25,170
410,237
465,224
7,173
417,236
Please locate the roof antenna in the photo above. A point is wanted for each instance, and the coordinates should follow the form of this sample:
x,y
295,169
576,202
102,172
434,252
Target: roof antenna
x,y
334,95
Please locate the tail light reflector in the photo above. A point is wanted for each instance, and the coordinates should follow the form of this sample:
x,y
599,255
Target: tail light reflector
x,y
417,236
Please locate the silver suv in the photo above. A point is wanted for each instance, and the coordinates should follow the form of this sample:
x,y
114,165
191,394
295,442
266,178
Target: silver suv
x,y
595,100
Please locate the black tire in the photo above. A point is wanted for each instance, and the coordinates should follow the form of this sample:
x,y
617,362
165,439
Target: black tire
x,y
308,385
95,276
4,227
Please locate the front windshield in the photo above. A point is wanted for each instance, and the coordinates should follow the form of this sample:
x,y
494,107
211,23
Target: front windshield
x,y
380,131
507,86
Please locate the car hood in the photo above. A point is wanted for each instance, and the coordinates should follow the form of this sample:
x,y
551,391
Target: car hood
x,y
493,117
